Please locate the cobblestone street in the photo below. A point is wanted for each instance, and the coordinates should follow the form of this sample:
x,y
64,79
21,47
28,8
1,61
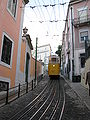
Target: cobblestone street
x,y
75,108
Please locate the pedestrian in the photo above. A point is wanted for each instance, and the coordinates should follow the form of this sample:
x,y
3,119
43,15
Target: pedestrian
x,y
88,80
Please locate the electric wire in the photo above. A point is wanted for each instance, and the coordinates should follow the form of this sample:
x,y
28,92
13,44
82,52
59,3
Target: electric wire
x,y
47,5
43,15
40,13
51,10
47,12
35,13
38,9
41,10
53,15
59,10
46,8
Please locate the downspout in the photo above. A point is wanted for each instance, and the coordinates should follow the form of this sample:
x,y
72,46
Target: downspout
x,y
36,62
72,45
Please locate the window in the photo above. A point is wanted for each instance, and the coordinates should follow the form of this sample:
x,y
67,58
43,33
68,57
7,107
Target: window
x,y
82,15
6,50
84,35
12,6
82,56
54,60
3,85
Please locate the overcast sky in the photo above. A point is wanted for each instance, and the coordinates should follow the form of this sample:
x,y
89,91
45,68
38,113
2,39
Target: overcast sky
x,y
45,19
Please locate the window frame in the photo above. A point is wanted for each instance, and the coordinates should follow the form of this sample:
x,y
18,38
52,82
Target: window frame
x,y
1,62
11,11
85,30
82,56
82,9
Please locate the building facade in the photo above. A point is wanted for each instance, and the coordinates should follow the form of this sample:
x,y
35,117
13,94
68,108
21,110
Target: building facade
x,y
43,53
75,34
11,22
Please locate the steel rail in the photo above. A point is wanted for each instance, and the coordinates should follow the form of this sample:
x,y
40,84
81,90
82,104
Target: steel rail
x,y
52,99
42,104
27,111
18,113
62,106
63,103
48,106
53,96
56,105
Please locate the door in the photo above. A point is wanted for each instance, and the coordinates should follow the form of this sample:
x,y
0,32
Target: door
x,y
27,67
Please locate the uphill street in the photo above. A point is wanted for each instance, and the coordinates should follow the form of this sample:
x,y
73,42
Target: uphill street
x,y
74,109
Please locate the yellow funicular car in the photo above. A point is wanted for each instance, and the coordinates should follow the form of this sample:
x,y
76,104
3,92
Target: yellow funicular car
x,y
54,66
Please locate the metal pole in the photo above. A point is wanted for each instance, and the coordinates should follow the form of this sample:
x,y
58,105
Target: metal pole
x,y
27,87
36,63
19,90
7,93
32,84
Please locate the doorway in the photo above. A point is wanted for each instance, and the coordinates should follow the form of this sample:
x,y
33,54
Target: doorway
x,y
27,67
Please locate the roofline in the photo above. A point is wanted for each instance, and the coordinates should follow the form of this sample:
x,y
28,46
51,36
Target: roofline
x,y
26,1
75,1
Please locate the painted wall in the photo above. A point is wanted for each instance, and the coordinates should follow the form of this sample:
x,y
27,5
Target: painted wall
x,y
83,75
11,27
80,46
32,68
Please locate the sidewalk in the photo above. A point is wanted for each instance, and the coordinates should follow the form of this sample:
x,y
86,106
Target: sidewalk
x,y
81,91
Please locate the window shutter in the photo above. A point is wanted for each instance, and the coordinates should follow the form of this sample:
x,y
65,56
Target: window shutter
x,y
9,4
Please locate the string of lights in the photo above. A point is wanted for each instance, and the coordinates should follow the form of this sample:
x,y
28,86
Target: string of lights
x,y
48,5
48,13
51,21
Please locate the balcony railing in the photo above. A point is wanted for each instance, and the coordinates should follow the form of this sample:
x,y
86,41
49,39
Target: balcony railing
x,y
78,22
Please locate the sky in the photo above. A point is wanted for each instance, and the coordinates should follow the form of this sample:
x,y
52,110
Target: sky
x,y
45,19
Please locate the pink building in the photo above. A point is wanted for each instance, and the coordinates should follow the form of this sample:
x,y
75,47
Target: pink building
x,y
11,22
76,32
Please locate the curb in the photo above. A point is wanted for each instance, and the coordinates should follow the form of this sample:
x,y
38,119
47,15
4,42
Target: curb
x,y
76,93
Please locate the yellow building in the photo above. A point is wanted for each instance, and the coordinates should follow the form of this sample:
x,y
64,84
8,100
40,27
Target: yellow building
x,y
26,67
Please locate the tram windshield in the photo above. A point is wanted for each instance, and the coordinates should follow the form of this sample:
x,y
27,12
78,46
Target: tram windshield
x,y
54,60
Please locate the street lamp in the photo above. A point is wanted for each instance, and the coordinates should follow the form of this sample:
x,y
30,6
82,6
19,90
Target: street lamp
x,y
24,34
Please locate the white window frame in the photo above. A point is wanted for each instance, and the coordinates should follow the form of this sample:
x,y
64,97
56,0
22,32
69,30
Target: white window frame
x,y
80,36
1,62
11,12
81,9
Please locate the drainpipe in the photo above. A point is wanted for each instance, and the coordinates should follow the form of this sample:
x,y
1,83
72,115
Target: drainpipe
x,y
36,63
72,44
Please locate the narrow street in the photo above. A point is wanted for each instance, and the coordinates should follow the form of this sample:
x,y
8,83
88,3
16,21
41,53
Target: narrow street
x,y
46,102
39,40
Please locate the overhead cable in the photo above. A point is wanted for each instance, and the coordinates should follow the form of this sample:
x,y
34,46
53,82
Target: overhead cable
x,y
48,5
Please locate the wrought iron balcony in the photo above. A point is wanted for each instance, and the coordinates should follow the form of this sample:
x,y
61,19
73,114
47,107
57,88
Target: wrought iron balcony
x,y
81,22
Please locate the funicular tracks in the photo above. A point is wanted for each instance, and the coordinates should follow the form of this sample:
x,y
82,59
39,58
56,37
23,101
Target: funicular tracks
x,y
47,105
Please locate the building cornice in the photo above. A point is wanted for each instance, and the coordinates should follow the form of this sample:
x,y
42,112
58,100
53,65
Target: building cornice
x,y
76,1
26,1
